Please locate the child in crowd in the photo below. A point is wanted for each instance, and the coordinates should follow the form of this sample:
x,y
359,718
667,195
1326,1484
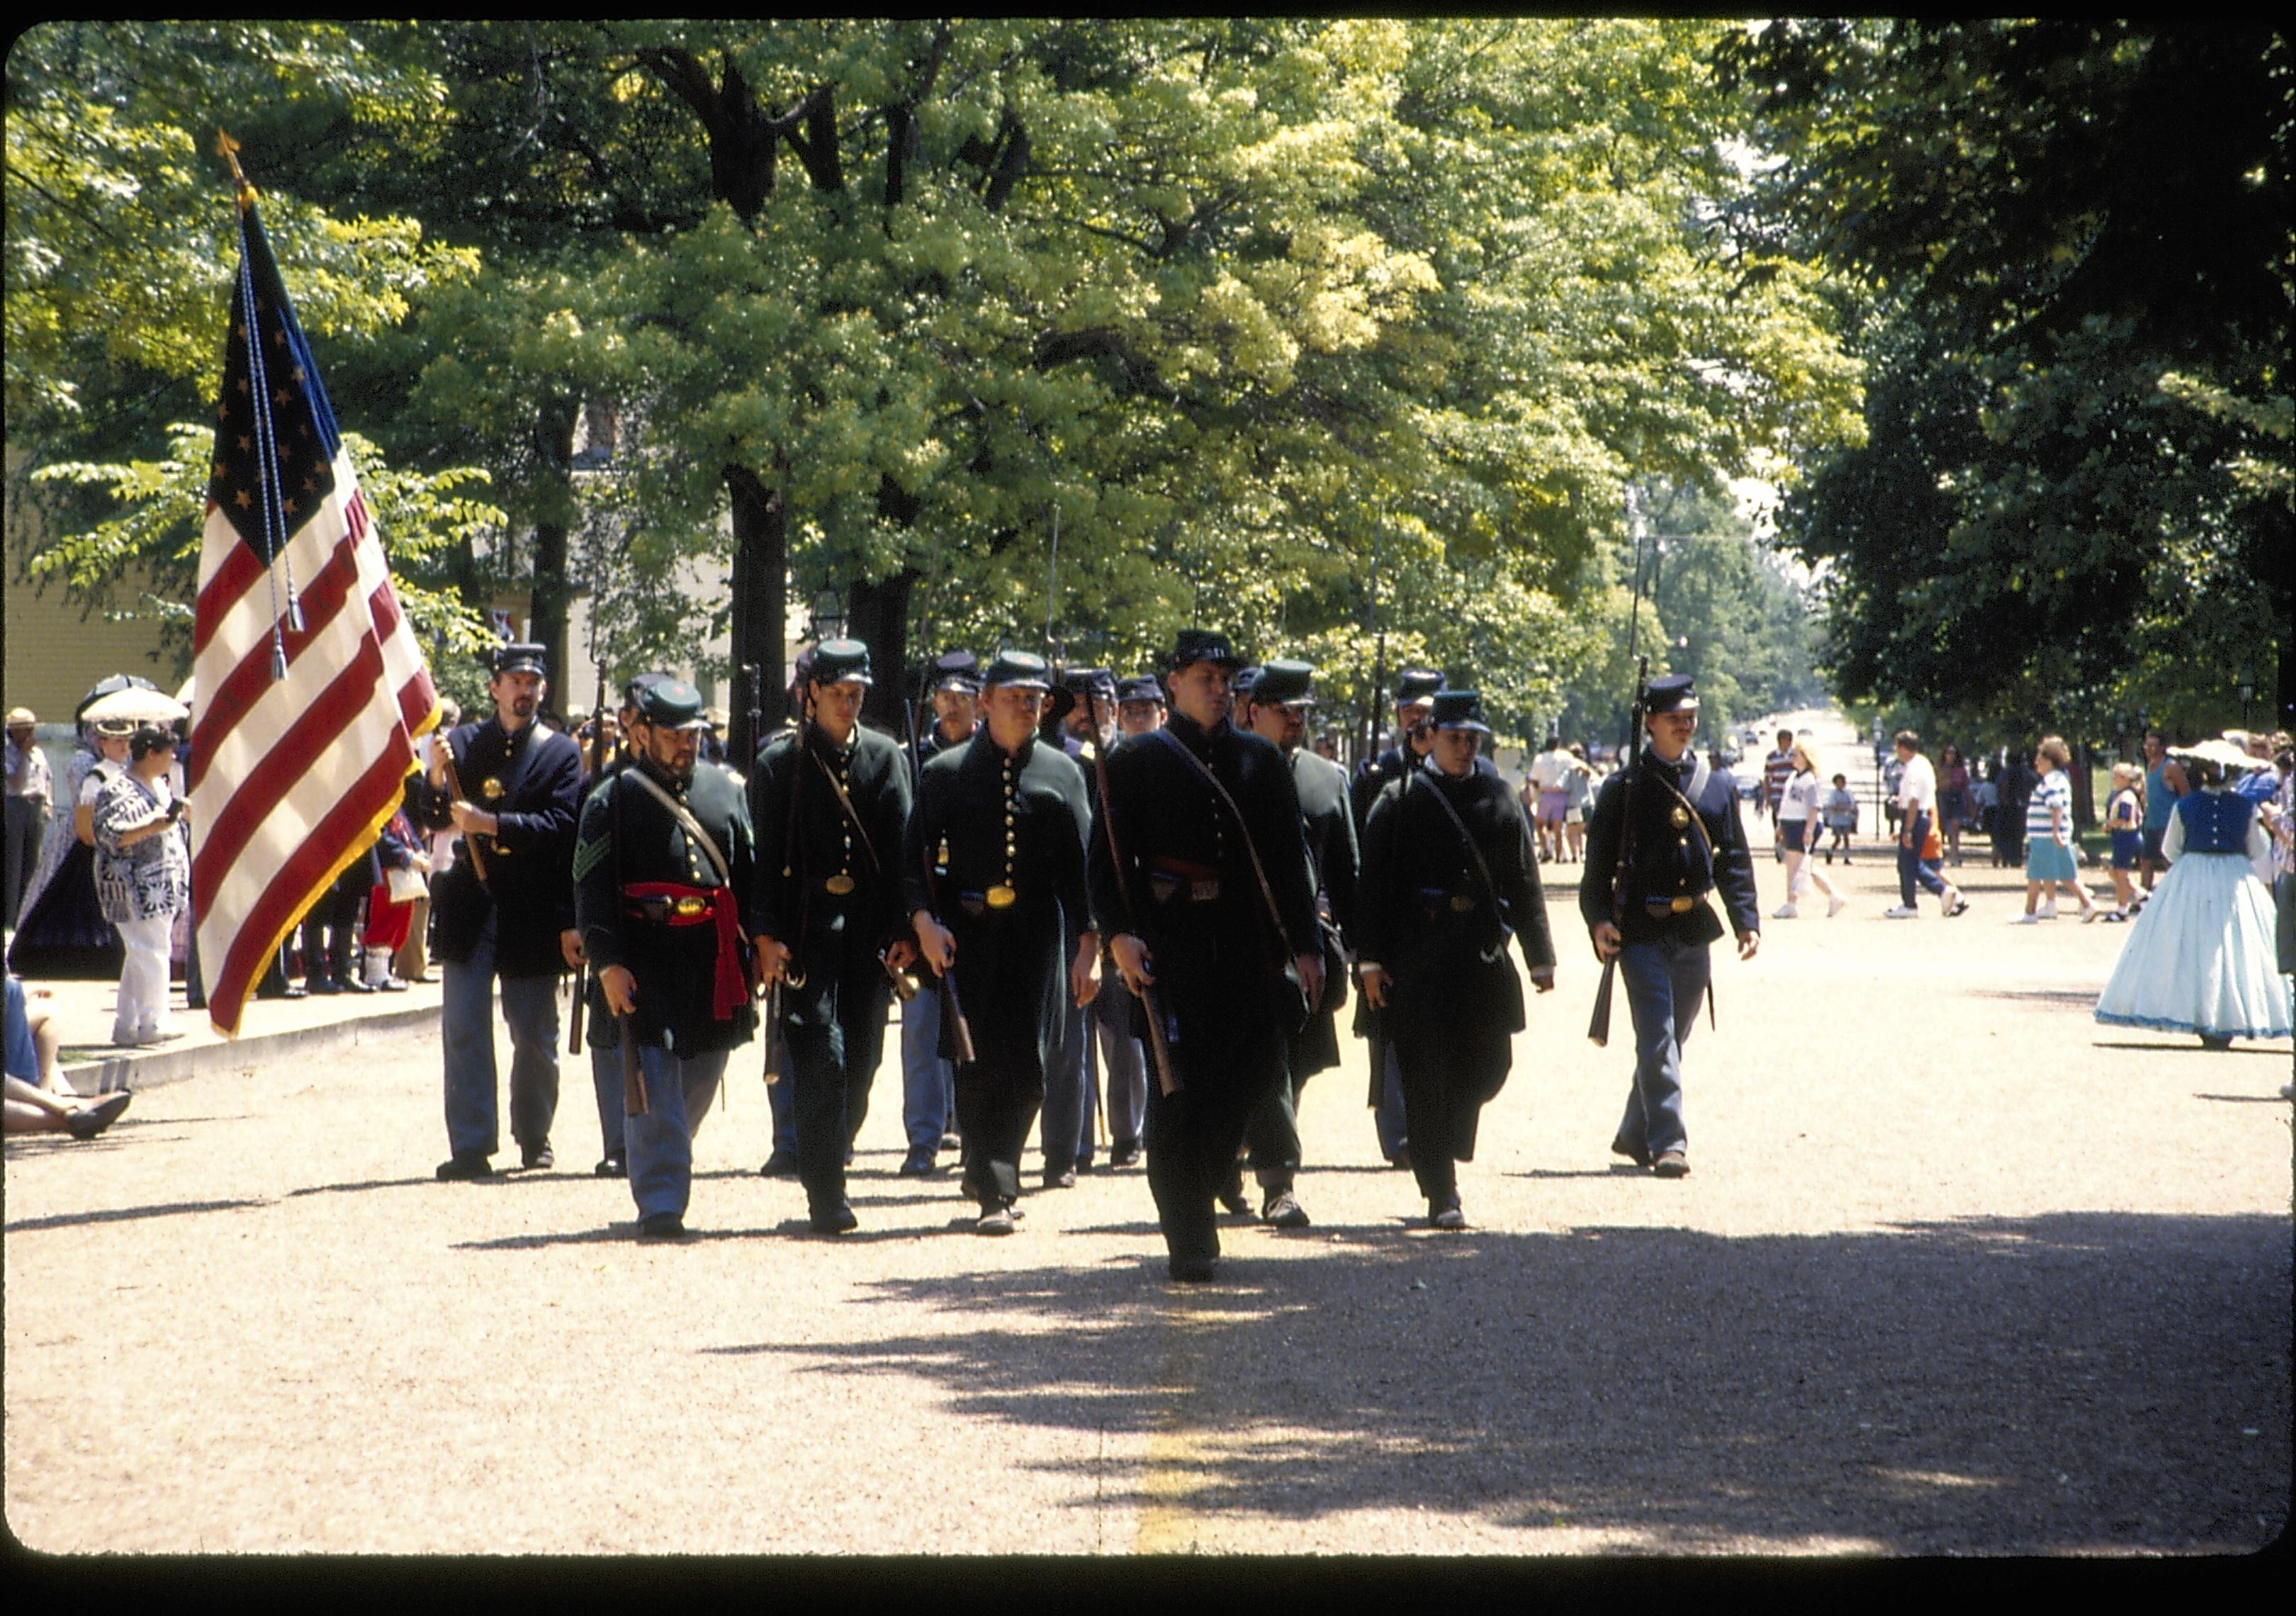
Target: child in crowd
x,y
2124,817
1840,811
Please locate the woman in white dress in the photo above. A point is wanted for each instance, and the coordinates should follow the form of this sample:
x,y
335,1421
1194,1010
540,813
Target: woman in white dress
x,y
2200,955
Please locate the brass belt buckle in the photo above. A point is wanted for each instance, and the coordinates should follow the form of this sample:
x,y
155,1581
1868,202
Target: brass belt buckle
x,y
1204,892
1461,905
1000,896
840,885
687,907
1683,905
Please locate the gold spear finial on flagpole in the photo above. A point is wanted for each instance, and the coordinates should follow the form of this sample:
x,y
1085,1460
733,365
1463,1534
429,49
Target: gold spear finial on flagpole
x,y
227,148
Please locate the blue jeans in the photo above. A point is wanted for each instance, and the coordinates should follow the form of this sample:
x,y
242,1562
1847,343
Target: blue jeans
x,y
927,1082
1665,982
659,1144
1912,868
466,1025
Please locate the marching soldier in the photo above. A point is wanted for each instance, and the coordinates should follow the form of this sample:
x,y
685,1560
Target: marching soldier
x,y
599,1034
1139,706
1281,700
1415,689
1086,707
1665,836
991,921
831,805
1448,875
665,877
928,1080
1200,878
505,910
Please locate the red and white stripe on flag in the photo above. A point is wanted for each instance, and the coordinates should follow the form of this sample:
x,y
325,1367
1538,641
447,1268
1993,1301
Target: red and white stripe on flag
x,y
292,779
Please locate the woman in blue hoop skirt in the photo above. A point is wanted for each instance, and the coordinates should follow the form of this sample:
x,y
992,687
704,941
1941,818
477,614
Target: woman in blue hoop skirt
x,y
2200,958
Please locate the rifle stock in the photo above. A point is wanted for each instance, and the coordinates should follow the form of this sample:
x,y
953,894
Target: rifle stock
x,y
454,791
634,1085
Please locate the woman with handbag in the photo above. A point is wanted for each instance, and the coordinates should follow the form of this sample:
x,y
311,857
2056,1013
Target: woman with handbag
x,y
1449,877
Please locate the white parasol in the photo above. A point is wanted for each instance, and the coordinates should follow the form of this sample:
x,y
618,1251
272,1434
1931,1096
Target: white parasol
x,y
135,706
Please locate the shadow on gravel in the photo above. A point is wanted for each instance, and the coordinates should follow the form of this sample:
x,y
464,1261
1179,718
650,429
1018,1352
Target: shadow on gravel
x,y
129,1214
2075,1382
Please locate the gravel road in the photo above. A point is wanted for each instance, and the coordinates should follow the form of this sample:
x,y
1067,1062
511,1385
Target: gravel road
x,y
1957,1271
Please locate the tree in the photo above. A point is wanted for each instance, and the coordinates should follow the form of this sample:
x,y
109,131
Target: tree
x,y
2066,235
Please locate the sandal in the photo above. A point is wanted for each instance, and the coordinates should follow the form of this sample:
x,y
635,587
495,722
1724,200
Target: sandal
x,y
1960,906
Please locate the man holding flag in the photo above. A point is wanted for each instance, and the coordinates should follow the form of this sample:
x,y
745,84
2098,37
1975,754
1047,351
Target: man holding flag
x,y
312,687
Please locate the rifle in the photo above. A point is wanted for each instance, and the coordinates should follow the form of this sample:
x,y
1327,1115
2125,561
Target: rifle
x,y
634,1087
1151,1002
597,772
769,1041
1598,1025
455,793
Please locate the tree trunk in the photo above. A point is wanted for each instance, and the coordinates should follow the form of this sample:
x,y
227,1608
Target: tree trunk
x,y
760,603
547,603
878,615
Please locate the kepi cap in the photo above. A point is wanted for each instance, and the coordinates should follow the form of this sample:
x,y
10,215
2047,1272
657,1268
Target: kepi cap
x,y
1195,646
840,662
668,703
955,670
1415,685
1459,709
1144,687
1287,681
521,658
1671,693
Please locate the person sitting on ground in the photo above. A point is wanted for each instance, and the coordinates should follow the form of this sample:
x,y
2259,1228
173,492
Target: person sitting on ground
x,y
38,1101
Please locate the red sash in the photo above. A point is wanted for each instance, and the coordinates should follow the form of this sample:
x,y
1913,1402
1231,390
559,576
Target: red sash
x,y
731,989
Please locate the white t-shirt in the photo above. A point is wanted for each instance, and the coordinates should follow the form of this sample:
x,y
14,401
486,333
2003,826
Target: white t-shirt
x,y
1548,769
1918,786
1798,801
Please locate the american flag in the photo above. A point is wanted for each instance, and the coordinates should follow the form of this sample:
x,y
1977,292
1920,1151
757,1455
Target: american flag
x,y
311,687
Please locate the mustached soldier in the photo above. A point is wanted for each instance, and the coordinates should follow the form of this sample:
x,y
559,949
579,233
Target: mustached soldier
x,y
599,1035
1449,876
1010,809
831,804
514,920
664,883
1207,904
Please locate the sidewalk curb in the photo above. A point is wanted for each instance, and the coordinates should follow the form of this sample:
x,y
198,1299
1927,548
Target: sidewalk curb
x,y
117,1073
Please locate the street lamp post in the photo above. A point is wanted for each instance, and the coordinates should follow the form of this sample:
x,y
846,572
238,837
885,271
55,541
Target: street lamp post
x,y
2247,690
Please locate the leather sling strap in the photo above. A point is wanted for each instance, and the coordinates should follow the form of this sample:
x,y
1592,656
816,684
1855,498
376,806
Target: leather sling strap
x,y
686,820
852,814
1266,892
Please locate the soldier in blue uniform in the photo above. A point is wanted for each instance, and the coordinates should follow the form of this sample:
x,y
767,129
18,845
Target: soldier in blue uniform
x,y
604,1045
830,803
515,922
1209,906
1449,876
1139,705
1072,1071
1010,808
1414,698
665,882
1664,840
928,1080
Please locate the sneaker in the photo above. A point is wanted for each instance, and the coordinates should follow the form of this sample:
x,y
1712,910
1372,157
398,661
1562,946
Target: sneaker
x,y
2048,911
2116,916
536,1158
1785,911
1955,903
612,1167
1835,904
2026,920
1901,912
2091,912
1283,1211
